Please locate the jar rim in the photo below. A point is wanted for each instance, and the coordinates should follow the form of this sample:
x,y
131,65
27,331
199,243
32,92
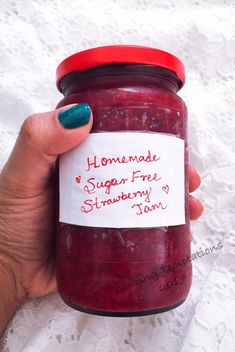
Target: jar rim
x,y
116,54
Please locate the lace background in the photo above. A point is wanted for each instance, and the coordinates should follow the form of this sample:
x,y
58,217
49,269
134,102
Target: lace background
x,y
34,37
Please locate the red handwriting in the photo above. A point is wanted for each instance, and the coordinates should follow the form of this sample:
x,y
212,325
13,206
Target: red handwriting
x,y
143,209
166,189
78,179
95,163
93,185
136,176
90,204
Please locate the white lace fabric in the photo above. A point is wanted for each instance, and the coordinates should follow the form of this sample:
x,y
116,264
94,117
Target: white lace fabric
x,y
35,37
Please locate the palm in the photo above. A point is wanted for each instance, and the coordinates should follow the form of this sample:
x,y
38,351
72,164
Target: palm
x,y
30,238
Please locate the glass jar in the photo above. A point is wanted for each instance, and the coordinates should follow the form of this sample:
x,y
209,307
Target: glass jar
x,y
124,252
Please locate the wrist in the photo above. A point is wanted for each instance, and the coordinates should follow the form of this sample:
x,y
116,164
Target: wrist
x,y
9,271
11,293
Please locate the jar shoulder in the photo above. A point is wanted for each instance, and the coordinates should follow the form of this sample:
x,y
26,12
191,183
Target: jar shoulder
x,y
128,97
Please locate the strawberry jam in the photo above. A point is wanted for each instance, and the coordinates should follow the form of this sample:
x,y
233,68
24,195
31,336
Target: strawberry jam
x,y
140,270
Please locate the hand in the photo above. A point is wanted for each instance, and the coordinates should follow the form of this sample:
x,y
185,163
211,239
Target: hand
x,y
27,202
27,205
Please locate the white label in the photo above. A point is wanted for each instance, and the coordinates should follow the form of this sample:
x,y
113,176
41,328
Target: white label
x,y
122,180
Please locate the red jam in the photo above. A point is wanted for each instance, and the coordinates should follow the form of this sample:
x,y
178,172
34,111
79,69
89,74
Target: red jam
x,y
125,271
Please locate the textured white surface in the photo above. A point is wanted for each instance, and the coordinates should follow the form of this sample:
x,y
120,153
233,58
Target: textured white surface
x,y
35,37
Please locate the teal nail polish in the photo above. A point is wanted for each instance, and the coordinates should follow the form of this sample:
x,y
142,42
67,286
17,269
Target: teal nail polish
x,y
76,116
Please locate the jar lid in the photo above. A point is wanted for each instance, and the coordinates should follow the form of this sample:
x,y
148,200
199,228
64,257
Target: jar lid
x,y
120,54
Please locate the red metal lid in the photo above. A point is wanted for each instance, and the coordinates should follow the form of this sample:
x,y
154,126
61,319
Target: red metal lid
x,y
116,54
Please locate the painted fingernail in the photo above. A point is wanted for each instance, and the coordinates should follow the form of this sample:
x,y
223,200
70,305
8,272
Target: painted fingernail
x,y
76,116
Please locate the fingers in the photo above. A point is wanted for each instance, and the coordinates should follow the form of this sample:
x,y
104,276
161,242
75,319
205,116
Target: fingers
x,y
195,208
42,138
194,179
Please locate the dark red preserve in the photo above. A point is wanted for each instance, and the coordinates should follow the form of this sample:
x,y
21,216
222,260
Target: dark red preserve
x,y
123,244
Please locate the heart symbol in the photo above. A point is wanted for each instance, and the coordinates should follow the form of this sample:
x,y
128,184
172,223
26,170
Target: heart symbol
x,y
166,189
78,179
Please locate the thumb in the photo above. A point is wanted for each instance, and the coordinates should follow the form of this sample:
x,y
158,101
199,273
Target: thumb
x,y
41,139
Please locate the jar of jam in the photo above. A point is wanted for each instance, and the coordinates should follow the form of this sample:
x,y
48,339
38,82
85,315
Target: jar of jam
x,y
123,244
